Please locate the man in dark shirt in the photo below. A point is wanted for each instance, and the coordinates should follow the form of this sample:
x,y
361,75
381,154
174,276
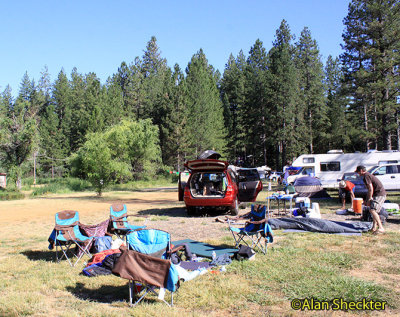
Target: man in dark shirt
x,y
375,198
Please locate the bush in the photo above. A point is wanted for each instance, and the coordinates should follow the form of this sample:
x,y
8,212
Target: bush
x,y
10,194
61,185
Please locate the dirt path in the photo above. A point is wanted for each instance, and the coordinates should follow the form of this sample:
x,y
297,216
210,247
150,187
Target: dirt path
x,y
161,206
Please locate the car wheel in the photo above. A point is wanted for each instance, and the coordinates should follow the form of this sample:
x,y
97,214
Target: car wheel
x,y
235,209
191,211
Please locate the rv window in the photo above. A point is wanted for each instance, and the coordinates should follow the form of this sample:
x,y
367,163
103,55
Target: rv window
x,y
330,167
308,160
387,162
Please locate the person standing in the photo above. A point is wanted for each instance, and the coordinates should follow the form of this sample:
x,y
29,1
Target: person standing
x,y
375,198
346,187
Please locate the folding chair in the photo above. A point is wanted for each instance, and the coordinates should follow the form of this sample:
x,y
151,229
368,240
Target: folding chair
x,y
146,264
253,235
119,222
67,234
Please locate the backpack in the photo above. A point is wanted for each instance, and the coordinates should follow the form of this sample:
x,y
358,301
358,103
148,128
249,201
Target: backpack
x,y
366,215
102,243
244,253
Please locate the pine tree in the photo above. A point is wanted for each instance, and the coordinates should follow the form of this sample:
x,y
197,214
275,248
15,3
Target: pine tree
x,y
52,154
113,109
155,72
176,143
62,100
254,112
233,98
338,129
79,116
205,112
371,61
310,74
94,104
18,131
286,119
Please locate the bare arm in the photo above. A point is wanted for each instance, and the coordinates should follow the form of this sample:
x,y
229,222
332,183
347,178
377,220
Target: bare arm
x,y
370,193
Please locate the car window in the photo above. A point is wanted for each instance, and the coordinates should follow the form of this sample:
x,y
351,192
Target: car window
x,y
184,176
380,171
372,169
350,177
249,175
232,175
391,169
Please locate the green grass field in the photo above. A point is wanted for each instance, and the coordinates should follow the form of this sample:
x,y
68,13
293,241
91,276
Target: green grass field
x,y
297,266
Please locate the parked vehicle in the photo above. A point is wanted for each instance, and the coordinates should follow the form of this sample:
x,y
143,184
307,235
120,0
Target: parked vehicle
x,y
388,174
212,184
360,190
263,171
331,166
182,180
274,176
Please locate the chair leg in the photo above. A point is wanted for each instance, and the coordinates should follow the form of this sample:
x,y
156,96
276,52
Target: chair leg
x,y
84,251
130,292
64,250
237,238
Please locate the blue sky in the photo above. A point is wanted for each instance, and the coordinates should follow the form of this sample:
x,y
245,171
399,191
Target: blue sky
x,y
96,36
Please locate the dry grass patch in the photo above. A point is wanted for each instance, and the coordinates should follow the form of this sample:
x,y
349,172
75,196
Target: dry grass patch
x,y
297,265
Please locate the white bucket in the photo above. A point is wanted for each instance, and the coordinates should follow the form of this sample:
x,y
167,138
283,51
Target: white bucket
x,y
317,213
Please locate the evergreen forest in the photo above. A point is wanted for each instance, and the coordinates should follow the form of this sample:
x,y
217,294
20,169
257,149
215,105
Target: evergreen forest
x,y
270,104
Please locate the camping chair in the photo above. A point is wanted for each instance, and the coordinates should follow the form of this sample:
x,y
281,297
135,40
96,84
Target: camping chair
x,y
146,264
67,234
119,222
253,235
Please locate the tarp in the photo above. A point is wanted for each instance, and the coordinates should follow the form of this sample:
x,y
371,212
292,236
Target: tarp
x,y
307,181
293,168
320,225
311,187
203,249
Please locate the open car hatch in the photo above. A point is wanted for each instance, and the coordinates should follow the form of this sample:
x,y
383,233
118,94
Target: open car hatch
x,y
206,165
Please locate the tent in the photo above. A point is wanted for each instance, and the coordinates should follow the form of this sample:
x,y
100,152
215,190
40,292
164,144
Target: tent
x,y
311,187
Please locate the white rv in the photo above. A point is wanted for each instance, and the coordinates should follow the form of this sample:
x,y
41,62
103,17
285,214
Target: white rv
x,y
331,166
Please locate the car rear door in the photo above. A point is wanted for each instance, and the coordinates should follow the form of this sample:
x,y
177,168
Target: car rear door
x,y
249,185
183,178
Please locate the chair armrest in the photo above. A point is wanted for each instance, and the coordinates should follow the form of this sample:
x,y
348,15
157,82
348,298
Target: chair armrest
x,y
175,249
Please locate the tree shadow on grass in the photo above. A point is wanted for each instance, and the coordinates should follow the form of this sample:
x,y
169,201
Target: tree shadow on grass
x,y
48,256
111,200
180,212
103,294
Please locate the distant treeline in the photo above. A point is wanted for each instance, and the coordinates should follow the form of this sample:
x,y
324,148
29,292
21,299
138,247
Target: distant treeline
x,y
266,108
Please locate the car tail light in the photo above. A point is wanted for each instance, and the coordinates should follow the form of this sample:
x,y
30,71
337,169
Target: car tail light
x,y
187,191
259,186
229,189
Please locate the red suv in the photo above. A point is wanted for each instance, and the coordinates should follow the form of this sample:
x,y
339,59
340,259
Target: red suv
x,y
213,184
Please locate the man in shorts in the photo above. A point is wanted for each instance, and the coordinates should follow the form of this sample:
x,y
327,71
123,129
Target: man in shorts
x,y
344,188
375,198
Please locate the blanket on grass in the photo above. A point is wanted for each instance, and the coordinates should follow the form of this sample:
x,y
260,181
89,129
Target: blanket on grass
x,y
320,225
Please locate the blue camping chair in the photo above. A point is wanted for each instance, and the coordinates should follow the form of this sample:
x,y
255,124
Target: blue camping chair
x,y
119,222
67,234
253,235
148,264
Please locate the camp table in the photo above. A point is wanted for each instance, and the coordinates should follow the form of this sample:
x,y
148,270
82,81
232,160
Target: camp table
x,y
284,198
